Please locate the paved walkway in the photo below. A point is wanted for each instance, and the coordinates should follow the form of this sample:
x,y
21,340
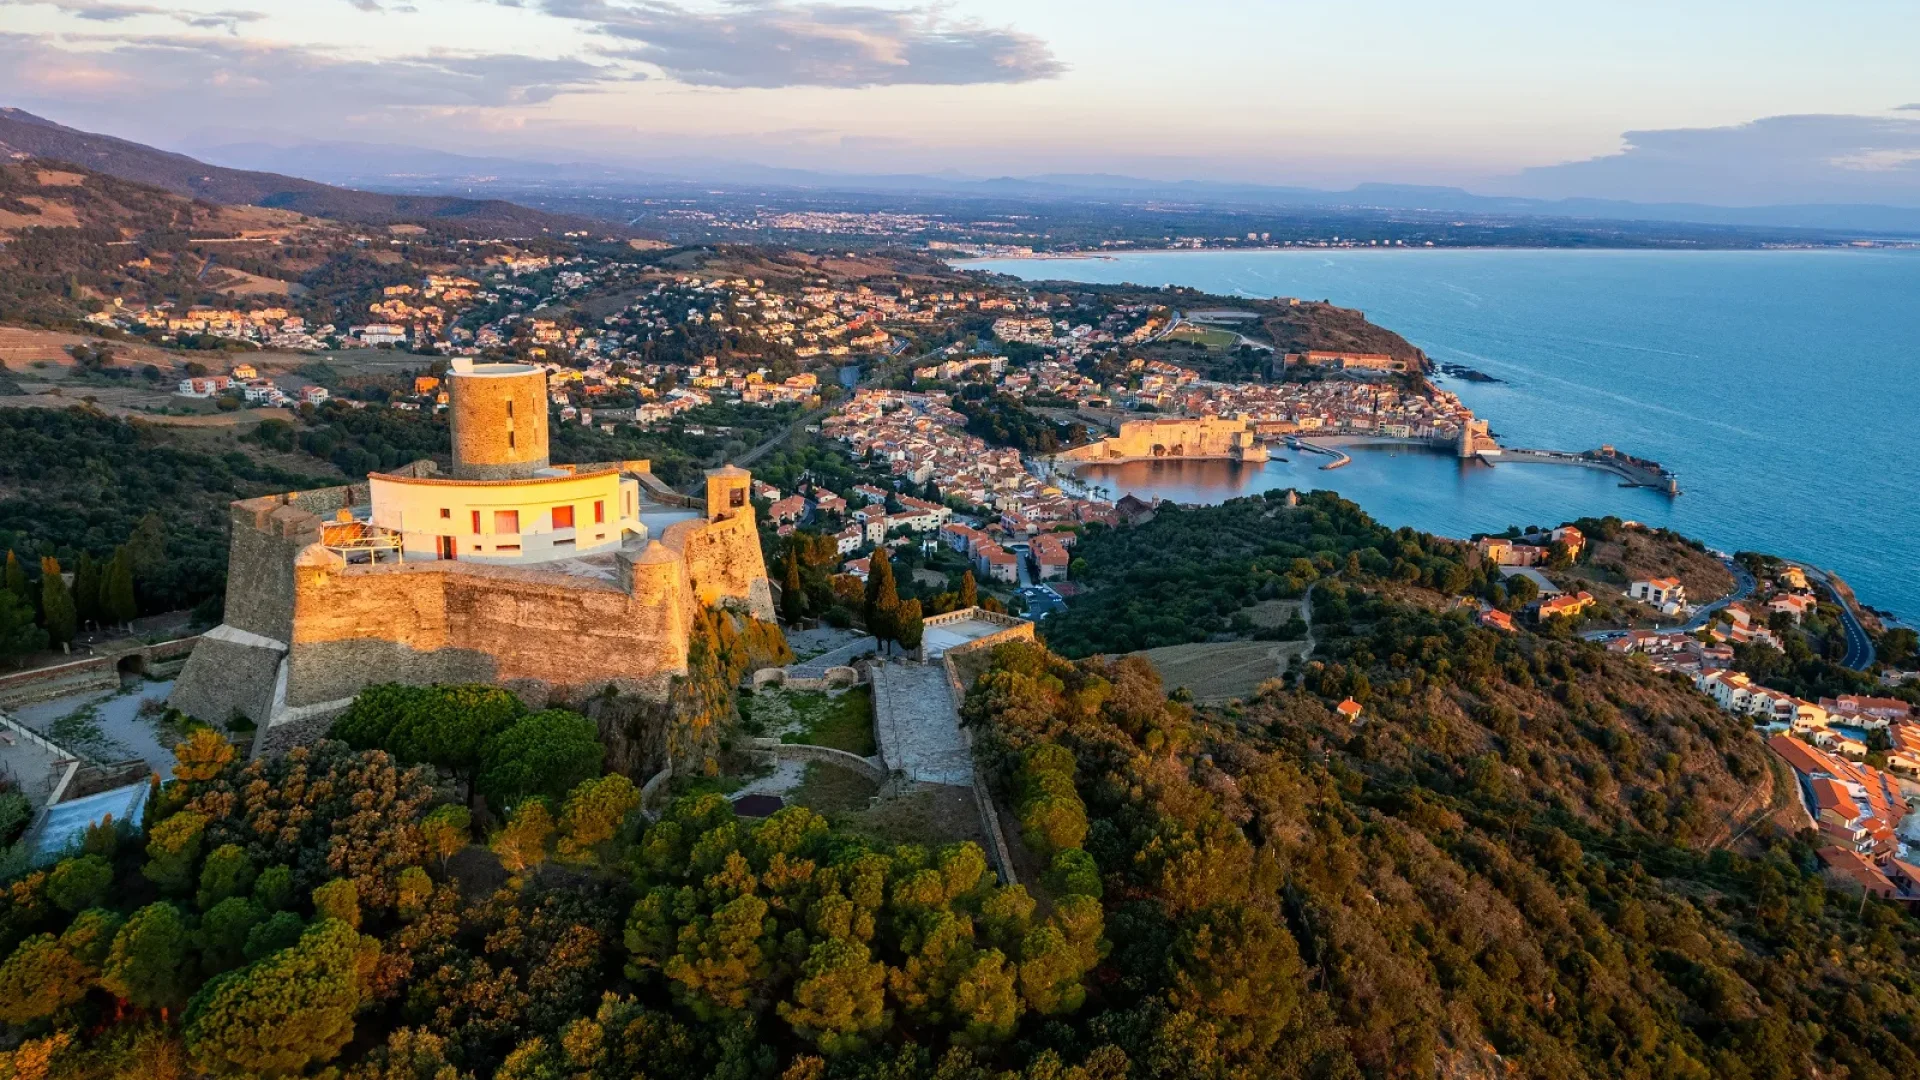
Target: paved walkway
x,y
940,637
816,668
918,729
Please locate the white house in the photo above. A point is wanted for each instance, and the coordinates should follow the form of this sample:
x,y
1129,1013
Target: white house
x,y
1665,593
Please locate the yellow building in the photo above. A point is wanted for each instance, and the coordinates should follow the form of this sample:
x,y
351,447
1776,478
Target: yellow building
x,y
504,503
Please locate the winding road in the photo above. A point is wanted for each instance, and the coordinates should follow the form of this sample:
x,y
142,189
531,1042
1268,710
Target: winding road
x,y
1859,646
1743,586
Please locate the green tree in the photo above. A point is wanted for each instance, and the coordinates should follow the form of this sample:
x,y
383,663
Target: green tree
x,y
338,900
793,591
447,831
227,872
16,579
80,883
410,1054
224,928
1050,972
148,963
274,888
911,626
882,610
173,849
721,958
57,612
286,1012
19,634
594,815
40,977
1074,873
280,931
89,937
986,999
548,753
840,1000
449,727
117,603
86,590
522,844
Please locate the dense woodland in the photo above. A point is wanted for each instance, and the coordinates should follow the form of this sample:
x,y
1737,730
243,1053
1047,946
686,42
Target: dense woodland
x,y
1183,576
76,483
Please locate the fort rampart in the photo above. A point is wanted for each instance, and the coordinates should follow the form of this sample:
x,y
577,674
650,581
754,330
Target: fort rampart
x,y
306,628
1147,440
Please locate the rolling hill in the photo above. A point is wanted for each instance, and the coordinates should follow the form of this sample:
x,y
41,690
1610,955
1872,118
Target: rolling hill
x,y
24,134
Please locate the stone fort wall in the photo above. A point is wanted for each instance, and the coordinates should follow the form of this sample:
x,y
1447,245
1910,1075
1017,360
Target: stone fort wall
x,y
1205,437
724,562
305,630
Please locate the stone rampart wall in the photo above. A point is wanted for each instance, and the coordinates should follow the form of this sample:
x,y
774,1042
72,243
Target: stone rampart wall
x,y
1207,437
724,563
826,755
454,622
43,684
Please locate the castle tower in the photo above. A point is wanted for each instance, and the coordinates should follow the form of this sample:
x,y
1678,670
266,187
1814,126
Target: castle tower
x,y
499,418
728,491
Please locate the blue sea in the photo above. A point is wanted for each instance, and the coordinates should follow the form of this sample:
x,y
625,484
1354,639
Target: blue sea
x,y
1782,386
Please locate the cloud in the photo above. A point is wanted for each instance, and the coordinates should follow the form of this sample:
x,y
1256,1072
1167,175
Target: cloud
x,y
1778,159
772,43
94,10
1915,107
104,11
219,20
223,81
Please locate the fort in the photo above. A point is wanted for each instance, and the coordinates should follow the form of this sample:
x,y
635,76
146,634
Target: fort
x,y
546,579
1172,437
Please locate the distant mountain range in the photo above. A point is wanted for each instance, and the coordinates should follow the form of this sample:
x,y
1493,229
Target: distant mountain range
x,y
414,184
24,134
413,168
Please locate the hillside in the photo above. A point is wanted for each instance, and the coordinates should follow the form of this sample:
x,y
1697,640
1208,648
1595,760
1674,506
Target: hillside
x,y
22,133
1289,326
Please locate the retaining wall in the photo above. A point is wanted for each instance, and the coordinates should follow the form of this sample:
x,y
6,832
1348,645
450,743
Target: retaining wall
x,y
44,684
871,768
982,794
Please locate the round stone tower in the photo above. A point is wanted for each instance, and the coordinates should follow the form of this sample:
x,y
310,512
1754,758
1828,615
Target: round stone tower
x,y
499,418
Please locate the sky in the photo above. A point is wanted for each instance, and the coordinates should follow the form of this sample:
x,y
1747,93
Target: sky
x,y
1736,103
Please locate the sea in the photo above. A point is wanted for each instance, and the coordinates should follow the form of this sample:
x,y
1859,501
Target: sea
x,y
1782,386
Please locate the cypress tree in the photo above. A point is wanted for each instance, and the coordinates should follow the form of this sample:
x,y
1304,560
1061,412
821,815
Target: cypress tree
x,y
56,603
883,599
969,591
86,591
793,593
911,626
116,590
16,580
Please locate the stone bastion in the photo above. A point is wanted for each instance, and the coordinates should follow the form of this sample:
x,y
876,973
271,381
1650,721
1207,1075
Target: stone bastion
x,y
308,625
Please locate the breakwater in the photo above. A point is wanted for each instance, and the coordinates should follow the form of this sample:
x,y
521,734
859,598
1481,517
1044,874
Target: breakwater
x,y
1635,471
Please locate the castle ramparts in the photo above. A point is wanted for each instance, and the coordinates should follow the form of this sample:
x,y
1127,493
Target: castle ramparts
x,y
1172,437
329,591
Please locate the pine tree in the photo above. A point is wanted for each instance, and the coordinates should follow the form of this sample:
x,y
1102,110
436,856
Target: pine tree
x,y
969,591
56,603
86,591
116,590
